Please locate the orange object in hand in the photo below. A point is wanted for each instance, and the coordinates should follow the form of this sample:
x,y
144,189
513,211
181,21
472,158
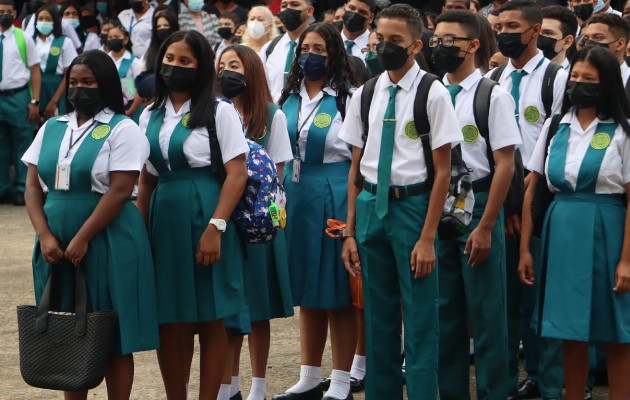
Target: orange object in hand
x,y
356,282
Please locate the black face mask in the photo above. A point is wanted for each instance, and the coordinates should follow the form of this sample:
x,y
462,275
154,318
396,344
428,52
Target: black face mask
x,y
115,44
178,79
225,32
594,43
238,39
232,83
338,25
6,20
446,59
583,11
103,37
354,22
510,44
391,56
291,19
548,46
583,94
163,33
136,6
86,101
226,1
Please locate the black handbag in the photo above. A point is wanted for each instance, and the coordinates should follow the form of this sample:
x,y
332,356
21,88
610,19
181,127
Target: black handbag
x,y
64,351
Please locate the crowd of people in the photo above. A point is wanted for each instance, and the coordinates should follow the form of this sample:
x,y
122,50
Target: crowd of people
x,y
367,114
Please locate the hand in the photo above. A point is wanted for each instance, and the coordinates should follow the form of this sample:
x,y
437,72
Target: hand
x,y
478,245
528,180
622,277
129,113
50,110
526,268
76,250
51,249
350,256
33,112
423,258
209,247
513,227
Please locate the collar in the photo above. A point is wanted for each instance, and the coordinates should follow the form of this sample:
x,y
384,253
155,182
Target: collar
x,y
565,64
148,14
467,83
9,32
104,116
572,119
170,111
328,90
624,69
125,55
357,39
529,67
407,81
46,39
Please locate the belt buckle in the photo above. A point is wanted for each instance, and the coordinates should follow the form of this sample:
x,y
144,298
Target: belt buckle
x,y
397,193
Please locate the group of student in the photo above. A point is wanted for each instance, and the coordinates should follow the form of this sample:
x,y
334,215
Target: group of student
x,y
361,132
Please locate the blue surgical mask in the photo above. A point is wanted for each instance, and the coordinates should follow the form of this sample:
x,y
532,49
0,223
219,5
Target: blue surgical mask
x,y
101,8
74,22
313,66
45,28
600,6
195,5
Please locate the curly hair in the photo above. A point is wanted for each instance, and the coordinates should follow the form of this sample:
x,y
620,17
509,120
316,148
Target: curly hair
x,y
338,74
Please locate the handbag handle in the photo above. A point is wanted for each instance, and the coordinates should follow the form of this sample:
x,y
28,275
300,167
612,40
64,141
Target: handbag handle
x,y
80,301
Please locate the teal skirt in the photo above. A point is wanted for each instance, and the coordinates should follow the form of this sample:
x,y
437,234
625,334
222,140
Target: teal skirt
x,y
118,267
581,247
181,206
318,277
50,84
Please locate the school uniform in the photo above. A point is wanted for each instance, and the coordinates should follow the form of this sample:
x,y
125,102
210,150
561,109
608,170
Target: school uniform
x,y
181,206
218,50
55,54
625,72
140,30
385,244
477,293
278,64
66,30
587,171
318,277
354,47
565,64
118,264
16,132
92,42
129,67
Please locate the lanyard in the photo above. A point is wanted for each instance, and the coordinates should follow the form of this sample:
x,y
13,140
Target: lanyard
x,y
74,142
131,24
297,133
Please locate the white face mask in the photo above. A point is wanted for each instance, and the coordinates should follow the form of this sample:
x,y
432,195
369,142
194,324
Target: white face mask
x,y
256,29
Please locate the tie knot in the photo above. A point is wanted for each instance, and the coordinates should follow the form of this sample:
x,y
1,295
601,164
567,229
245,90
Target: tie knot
x,y
349,44
393,90
518,75
454,91
292,44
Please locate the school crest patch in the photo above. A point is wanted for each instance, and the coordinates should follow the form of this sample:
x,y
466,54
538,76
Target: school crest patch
x,y
532,115
411,131
263,134
600,141
322,120
471,133
186,120
55,51
101,132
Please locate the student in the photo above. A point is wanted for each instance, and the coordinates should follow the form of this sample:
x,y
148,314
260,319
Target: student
x,y
586,167
18,106
267,286
70,13
471,270
357,17
227,6
450,5
227,25
260,28
520,23
56,54
193,18
370,57
315,182
583,9
496,60
86,220
295,16
137,20
129,67
487,45
163,26
396,214
327,16
559,28
198,264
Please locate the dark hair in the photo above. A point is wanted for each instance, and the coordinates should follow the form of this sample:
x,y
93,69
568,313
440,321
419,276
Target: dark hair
x,y
466,4
8,3
612,101
69,4
617,25
322,16
528,8
467,20
476,4
488,44
370,3
106,74
338,74
408,14
256,95
154,46
567,18
56,20
231,16
202,95
124,31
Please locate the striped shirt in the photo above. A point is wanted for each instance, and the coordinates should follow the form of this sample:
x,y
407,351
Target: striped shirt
x,y
210,24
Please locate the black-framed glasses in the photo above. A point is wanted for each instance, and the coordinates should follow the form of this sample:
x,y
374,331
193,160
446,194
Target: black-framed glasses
x,y
447,41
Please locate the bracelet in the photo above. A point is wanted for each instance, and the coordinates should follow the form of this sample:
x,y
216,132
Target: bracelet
x,y
346,233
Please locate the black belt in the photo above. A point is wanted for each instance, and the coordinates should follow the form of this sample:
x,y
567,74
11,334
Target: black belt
x,y
482,184
400,192
11,92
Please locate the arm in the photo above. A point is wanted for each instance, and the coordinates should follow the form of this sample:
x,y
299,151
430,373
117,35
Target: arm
x,y
209,248
51,107
526,262
146,186
349,252
280,169
36,80
478,244
137,101
622,273
107,209
423,254
34,196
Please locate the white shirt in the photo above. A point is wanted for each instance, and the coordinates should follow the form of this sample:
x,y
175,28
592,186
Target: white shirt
x,y
335,149
531,99
565,64
14,73
274,65
502,128
625,73
136,65
92,42
68,53
359,43
408,163
140,30
278,145
217,54
66,29
615,168
197,146
125,149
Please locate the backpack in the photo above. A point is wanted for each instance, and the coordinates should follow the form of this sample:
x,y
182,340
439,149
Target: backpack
x,y
272,45
457,210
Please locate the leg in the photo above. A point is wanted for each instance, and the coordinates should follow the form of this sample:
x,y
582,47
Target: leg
x,y
313,333
21,136
343,335
360,349
618,362
357,372
213,343
575,359
75,395
5,158
514,293
259,342
226,380
174,358
119,377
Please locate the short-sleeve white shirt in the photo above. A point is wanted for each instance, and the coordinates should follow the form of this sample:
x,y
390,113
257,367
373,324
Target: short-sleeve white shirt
x,y
14,73
68,53
274,65
139,29
136,65
359,43
278,144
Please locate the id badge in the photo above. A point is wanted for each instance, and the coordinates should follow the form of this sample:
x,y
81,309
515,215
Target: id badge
x,y
62,180
297,163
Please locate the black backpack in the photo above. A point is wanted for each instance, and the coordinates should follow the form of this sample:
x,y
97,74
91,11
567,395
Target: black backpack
x,y
273,44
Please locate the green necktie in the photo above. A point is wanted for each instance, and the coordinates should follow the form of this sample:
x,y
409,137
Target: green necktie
x,y
384,171
454,91
517,76
290,58
1,54
349,44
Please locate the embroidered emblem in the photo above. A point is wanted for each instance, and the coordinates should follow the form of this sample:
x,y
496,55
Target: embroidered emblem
x,y
185,120
322,120
410,130
101,132
471,133
600,141
55,51
532,115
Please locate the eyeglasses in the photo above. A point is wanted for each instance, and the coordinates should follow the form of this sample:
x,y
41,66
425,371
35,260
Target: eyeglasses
x,y
447,41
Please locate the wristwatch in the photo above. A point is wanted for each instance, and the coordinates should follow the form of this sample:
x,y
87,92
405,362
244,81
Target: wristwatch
x,y
220,224
35,102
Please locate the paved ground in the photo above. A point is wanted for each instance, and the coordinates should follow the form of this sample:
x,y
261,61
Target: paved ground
x,y
16,240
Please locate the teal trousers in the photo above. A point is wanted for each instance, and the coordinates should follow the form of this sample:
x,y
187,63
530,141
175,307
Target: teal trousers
x,y
16,135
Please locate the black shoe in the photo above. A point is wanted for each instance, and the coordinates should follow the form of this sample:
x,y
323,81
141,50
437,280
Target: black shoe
x,y
588,395
325,383
528,390
357,385
314,394
237,396
6,199
349,397
404,376
18,199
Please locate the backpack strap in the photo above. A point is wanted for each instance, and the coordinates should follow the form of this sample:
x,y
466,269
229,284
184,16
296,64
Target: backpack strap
x,y
553,128
481,111
547,87
627,87
366,102
271,111
273,44
215,148
421,120
21,44
216,47
497,72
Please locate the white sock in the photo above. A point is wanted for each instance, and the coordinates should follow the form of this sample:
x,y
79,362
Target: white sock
x,y
235,387
358,367
339,384
258,390
224,392
309,378
472,347
186,390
